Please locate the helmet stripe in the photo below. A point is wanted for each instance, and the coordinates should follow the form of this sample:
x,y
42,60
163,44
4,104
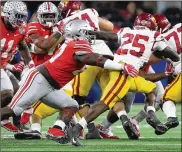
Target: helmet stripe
x,y
48,6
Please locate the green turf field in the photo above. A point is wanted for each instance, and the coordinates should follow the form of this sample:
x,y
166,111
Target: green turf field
x,y
148,142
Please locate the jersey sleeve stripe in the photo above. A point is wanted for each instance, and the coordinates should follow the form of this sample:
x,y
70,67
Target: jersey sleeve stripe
x,y
83,47
32,27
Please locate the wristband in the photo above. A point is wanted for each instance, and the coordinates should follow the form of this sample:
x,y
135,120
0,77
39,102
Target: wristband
x,y
113,65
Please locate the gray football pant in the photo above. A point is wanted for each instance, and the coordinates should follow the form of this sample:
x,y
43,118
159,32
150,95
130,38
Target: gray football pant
x,y
33,87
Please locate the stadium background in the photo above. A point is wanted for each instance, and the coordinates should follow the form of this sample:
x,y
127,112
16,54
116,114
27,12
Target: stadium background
x,y
122,14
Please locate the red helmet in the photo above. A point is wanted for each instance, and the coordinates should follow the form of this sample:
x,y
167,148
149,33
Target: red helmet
x,y
162,22
146,20
67,7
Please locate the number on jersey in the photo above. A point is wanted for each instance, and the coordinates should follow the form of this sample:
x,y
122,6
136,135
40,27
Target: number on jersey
x,y
10,44
133,42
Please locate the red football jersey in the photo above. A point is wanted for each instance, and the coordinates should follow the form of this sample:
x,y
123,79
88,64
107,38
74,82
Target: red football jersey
x,y
9,41
37,28
62,67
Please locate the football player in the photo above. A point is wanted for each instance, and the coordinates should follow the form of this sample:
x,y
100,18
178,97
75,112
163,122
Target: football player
x,y
172,94
44,81
82,83
135,49
40,30
13,29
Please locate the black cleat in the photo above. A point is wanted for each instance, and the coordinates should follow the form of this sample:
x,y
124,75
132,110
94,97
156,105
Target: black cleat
x,y
72,135
171,123
153,121
93,132
29,135
129,129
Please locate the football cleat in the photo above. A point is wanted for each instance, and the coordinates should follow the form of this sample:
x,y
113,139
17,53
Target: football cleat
x,y
171,123
135,125
153,121
106,133
72,135
55,134
131,131
25,118
10,127
93,132
29,135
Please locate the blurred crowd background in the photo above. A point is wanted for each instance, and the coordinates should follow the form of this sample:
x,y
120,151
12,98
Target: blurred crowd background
x,y
122,14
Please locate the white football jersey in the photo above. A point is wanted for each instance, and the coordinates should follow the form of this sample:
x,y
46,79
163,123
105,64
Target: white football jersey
x,y
173,39
137,46
90,15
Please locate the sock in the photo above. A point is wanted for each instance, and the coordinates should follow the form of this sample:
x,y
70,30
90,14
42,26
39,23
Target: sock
x,y
59,124
106,124
4,122
83,122
119,114
150,108
140,116
36,126
169,109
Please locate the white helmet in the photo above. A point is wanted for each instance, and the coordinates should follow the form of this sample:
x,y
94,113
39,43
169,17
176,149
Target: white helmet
x,y
15,12
77,30
47,14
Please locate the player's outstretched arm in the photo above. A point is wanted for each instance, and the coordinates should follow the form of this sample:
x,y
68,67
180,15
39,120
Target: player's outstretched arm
x,y
107,36
45,43
167,52
95,59
105,25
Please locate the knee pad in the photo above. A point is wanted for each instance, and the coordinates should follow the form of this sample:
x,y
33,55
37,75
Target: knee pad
x,y
81,100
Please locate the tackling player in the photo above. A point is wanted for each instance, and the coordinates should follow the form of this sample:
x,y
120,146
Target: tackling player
x,y
82,83
13,30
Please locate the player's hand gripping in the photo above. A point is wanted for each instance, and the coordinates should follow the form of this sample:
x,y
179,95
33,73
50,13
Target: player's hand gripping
x,y
130,70
18,67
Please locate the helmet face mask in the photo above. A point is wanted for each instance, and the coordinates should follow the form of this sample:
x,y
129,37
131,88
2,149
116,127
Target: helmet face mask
x,y
48,19
15,13
47,14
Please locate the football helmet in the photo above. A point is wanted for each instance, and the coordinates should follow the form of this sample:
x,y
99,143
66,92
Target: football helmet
x,y
162,23
77,30
146,21
67,7
47,14
15,12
